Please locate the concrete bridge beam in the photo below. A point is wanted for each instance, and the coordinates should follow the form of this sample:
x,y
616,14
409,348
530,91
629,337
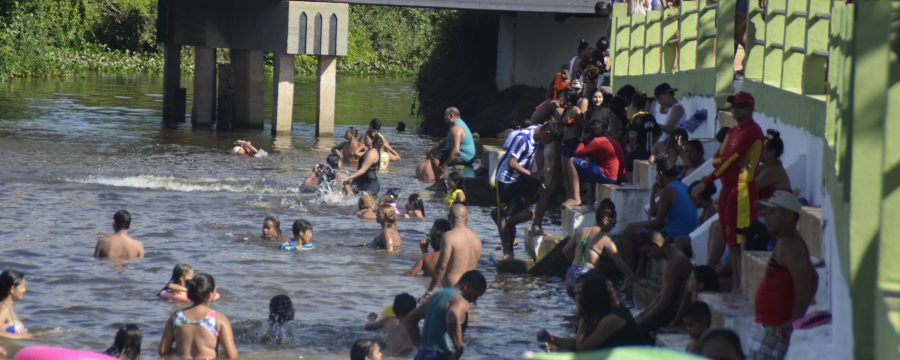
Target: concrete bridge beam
x,y
204,111
327,80
248,89
173,93
283,100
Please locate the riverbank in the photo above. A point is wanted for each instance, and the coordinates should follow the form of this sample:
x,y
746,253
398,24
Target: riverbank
x,y
48,38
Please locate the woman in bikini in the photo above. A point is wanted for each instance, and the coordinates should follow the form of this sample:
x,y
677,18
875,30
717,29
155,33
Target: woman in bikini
x,y
198,331
12,289
585,247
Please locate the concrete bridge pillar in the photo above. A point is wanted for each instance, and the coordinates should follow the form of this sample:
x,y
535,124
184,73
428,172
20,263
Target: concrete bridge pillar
x,y
204,111
248,89
173,93
283,101
327,79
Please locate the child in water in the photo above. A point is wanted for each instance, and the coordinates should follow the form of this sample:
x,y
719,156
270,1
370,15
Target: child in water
x,y
389,239
272,229
176,289
454,189
415,208
396,339
366,208
390,199
281,310
328,172
303,236
364,349
127,345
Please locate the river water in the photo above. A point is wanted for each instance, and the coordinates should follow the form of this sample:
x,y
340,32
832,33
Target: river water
x,y
77,150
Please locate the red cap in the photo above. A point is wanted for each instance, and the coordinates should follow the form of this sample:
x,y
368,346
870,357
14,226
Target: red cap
x,y
742,97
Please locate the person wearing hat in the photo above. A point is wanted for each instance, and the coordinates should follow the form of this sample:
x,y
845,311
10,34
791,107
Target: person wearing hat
x,y
671,112
735,164
789,284
571,118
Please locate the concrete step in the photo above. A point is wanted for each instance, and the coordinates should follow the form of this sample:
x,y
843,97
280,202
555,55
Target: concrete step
x,y
576,218
644,173
674,341
810,227
731,311
726,119
629,200
539,246
645,293
491,156
700,239
710,146
815,343
753,269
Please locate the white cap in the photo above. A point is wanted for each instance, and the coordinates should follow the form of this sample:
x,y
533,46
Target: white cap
x,y
784,200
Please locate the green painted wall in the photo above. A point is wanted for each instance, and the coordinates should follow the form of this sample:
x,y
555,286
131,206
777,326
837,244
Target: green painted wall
x,y
806,67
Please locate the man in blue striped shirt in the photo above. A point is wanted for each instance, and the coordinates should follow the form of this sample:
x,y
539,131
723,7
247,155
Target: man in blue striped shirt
x,y
517,187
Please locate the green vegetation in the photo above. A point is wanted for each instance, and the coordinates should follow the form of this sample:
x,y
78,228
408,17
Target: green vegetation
x,y
42,38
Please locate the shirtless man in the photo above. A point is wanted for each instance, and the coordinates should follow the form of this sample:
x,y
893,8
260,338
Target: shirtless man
x,y
424,172
119,245
347,150
428,261
460,251
676,272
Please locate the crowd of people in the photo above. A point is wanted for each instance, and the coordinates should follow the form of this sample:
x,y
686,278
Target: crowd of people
x,y
598,137
592,137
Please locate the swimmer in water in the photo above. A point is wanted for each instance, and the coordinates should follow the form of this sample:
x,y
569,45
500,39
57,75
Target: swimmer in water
x,y
127,345
415,208
281,310
119,246
328,172
198,331
366,209
244,148
365,350
271,230
12,289
396,339
428,261
303,236
389,239
177,285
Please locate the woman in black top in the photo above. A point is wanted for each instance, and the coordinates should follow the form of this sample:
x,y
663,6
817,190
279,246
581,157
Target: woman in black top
x,y
602,322
366,176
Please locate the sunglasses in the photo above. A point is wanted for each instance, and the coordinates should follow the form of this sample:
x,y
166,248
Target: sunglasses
x,y
740,106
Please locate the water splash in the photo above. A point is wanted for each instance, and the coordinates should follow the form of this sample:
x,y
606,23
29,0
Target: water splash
x,y
182,184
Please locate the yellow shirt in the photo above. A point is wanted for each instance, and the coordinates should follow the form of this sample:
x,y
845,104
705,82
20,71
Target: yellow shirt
x,y
453,196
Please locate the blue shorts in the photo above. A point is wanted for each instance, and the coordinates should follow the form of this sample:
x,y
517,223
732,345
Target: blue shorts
x,y
743,6
430,355
588,171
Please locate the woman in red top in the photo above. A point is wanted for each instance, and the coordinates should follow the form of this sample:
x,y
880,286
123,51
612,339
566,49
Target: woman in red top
x,y
598,158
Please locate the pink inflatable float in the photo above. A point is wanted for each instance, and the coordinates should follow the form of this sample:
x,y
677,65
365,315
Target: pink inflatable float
x,y
56,353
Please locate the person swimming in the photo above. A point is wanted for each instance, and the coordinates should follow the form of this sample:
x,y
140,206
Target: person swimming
x,y
244,148
415,207
303,236
366,207
272,229
12,289
395,337
389,239
127,345
326,173
198,331
176,288
281,310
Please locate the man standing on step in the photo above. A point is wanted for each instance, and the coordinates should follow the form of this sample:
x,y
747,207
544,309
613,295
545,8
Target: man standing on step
x,y
516,186
735,164
459,147
790,282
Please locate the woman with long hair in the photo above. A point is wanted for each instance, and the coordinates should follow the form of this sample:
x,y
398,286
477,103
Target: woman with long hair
x,y
198,331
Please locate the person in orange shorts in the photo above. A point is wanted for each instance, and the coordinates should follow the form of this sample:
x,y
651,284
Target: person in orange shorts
x,y
735,164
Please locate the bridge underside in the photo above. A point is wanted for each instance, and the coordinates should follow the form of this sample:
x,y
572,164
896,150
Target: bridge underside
x,y
557,6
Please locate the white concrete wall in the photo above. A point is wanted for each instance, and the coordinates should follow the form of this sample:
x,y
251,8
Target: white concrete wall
x,y
531,46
